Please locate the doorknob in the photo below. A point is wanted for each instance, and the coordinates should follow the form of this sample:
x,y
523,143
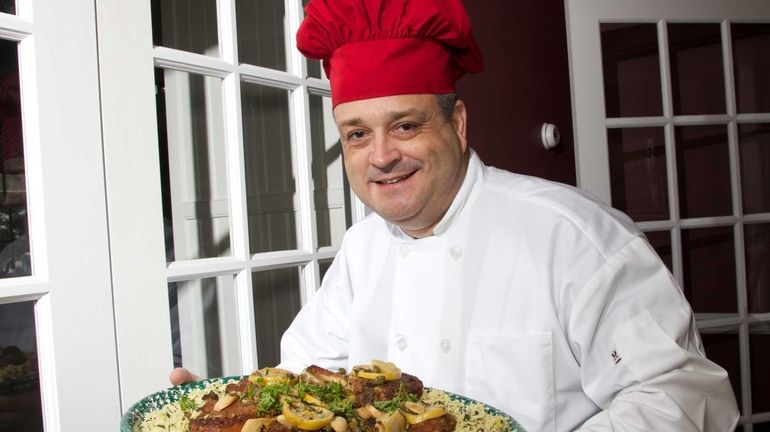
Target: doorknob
x,y
549,134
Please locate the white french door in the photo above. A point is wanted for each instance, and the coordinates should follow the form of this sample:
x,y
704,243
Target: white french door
x,y
672,111
56,306
224,182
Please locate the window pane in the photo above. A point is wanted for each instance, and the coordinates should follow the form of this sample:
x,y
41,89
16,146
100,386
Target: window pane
x,y
759,348
276,302
723,348
638,172
270,179
323,267
631,70
757,246
261,39
314,69
19,379
754,149
14,232
708,258
203,332
703,166
331,192
8,6
187,25
194,172
661,242
751,59
697,76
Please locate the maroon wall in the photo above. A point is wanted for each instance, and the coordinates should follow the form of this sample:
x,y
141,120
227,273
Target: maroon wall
x,y
525,83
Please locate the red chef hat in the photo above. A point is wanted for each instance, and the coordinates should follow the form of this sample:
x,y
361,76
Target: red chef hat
x,y
374,48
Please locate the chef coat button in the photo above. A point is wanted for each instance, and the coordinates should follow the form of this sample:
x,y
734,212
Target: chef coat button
x,y
456,252
445,346
404,250
401,343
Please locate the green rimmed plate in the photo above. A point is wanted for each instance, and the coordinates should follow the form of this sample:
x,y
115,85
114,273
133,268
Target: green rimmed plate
x,y
157,400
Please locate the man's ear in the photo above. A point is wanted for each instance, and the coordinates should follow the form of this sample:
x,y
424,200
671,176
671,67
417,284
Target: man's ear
x,y
459,122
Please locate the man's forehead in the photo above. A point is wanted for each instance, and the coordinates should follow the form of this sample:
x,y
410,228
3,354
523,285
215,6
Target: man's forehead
x,y
384,109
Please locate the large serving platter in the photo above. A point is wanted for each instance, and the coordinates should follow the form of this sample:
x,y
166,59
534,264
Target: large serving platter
x,y
157,400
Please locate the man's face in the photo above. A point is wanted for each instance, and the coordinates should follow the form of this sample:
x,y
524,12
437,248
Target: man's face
x,y
403,158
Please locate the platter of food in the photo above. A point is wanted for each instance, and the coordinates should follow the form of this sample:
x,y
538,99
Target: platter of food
x,y
376,397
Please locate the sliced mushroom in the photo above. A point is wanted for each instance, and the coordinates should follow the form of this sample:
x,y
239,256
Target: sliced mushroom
x,y
225,401
339,424
393,422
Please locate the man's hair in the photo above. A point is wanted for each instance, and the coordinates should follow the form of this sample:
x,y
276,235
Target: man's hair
x,y
446,102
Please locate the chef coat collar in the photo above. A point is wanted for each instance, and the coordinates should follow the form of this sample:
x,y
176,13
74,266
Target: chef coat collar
x,y
474,175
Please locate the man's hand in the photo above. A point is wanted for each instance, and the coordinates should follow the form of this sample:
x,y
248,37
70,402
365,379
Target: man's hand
x,y
181,376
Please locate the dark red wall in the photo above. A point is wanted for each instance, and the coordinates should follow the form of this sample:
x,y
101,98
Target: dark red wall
x,y
525,83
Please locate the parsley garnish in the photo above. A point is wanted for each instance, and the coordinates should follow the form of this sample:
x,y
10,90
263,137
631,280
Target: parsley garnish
x,y
270,398
186,404
399,399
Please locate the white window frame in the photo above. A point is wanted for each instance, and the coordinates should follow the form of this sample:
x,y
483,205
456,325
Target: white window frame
x,y
71,281
131,146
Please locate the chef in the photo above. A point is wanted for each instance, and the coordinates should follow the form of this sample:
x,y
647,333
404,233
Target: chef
x,y
522,293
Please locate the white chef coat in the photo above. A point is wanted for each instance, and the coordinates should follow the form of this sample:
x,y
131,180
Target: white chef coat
x,y
531,297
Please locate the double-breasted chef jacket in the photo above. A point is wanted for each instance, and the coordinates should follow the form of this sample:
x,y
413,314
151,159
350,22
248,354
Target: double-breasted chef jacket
x,y
529,296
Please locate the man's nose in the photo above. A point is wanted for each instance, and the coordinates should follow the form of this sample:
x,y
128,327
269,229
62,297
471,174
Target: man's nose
x,y
385,152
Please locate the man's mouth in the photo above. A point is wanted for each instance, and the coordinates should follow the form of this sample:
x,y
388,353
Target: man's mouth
x,y
394,180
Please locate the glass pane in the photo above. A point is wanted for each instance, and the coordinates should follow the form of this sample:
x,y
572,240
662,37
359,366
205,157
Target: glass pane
x,y
754,150
751,59
20,406
203,338
638,172
323,267
261,39
723,348
661,242
708,258
761,427
314,69
757,246
187,25
193,165
8,6
759,356
631,70
276,302
703,167
270,180
697,76
331,192
14,232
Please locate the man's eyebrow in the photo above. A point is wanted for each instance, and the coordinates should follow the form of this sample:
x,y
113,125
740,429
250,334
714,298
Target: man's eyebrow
x,y
390,116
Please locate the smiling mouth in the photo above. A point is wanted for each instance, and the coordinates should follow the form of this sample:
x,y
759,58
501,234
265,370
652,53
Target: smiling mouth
x,y
394,180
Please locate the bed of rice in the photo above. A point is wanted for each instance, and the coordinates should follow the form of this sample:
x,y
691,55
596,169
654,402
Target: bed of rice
x,y
171,418
471,417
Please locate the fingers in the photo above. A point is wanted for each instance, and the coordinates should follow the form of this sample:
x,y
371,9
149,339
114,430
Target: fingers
x,y
181,375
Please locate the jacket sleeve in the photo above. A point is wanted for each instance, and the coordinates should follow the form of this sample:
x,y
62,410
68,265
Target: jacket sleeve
x,y
319,333
641,357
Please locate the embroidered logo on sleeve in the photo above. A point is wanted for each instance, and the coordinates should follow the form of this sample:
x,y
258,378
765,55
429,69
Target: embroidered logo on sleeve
x,y
615,357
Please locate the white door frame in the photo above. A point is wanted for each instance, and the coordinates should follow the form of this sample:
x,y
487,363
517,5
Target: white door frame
x,y
590,125
71,281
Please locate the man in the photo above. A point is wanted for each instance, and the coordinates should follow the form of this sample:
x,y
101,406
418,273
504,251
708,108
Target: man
x,y
521,293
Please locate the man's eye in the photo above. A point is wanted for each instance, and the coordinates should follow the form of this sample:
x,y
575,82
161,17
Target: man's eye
x,y
406,127
356,135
